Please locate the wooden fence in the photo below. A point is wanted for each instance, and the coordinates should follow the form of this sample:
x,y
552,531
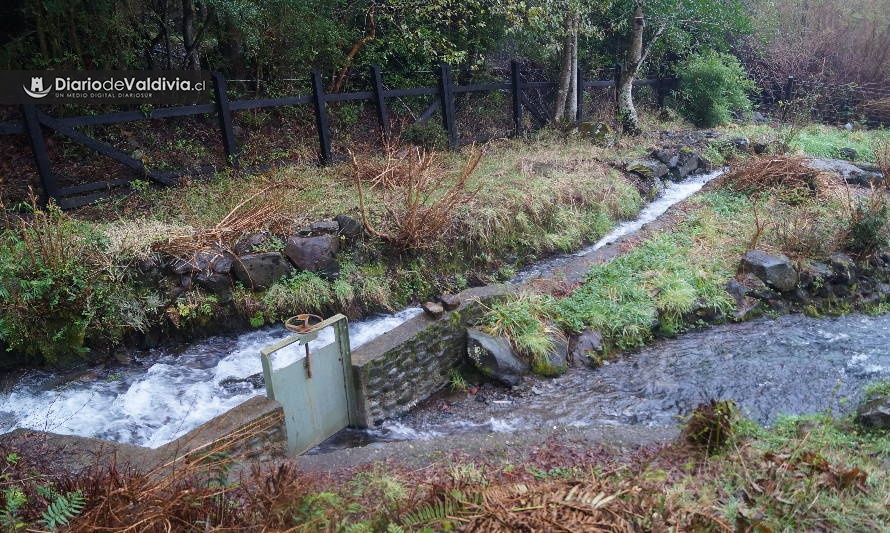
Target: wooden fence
x,y
34,120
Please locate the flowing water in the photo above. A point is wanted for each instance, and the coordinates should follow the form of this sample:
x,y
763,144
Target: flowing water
x,y
791,365
166,393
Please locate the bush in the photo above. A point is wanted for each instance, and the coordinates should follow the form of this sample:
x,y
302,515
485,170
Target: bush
x,y
428,135
712,85
57,291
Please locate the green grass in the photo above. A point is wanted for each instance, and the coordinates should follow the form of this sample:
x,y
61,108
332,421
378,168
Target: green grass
x,y
815,140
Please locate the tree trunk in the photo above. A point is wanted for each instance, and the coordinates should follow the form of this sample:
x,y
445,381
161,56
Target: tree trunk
x,y
575,85
565,72
627,113
192,58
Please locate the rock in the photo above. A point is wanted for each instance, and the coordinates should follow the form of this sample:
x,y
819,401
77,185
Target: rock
x,y
433,309
251,243
260,271
668,157
758,117
494,357
254,381
848,153
776,272
556,360
742,144
595,132
314,253
844,269
213,260
760,148
587,345
736,290
218,284
450,301
349,227
331,227
816,278
875,413
867,166
687,163
648,168
848,126
850,172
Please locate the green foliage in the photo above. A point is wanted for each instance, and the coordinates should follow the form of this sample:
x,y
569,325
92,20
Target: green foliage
x,y
869,226
711,425
457,381
877,389
62,508
429,135
58,290
655,284
712,86
524,320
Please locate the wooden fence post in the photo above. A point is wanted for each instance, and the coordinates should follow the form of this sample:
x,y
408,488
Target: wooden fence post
x,y
447,96
516,90
789,88
382,112
41,156
224,111
579,114
321,120
659,89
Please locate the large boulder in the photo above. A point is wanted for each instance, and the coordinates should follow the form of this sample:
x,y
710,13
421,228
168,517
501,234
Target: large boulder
x,y
648,168
315,253
681,163
260,271
494,357
777,272
875,413
851,173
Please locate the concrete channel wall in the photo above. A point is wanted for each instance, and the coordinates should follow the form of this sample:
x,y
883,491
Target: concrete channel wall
x,y
405,365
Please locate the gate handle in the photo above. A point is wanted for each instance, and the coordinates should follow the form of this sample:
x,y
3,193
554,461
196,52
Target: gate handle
x,y
305,323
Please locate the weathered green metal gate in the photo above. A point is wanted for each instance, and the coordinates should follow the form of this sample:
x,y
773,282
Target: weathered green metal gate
x,y
316,390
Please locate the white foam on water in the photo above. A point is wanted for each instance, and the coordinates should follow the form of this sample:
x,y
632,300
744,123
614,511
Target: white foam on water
x,y
155,405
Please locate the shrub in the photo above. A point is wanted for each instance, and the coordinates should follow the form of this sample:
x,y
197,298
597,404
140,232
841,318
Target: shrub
x,y
712,86
428,135
869,225
58,292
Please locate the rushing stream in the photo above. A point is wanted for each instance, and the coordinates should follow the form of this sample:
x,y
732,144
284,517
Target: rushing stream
x,y
792,365
788,366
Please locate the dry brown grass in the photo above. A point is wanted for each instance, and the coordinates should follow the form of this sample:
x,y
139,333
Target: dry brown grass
x,y
417,201
764,174
261,210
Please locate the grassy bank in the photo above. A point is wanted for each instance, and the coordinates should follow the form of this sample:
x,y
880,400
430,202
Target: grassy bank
x,y
674,277
78,284
724,474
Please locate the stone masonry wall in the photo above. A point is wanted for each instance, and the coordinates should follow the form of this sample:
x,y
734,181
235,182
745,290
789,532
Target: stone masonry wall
x,y
404,366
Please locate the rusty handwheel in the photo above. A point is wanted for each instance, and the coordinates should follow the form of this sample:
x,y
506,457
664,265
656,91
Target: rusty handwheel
x,y
303,323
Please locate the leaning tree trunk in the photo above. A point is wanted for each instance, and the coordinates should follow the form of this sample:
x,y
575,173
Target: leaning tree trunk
x,y
627,113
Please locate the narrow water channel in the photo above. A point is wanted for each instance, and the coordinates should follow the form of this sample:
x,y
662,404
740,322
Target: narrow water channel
x,y
791,365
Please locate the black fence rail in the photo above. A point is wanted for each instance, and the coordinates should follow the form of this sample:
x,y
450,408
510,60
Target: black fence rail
x,y
526,97
831,103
